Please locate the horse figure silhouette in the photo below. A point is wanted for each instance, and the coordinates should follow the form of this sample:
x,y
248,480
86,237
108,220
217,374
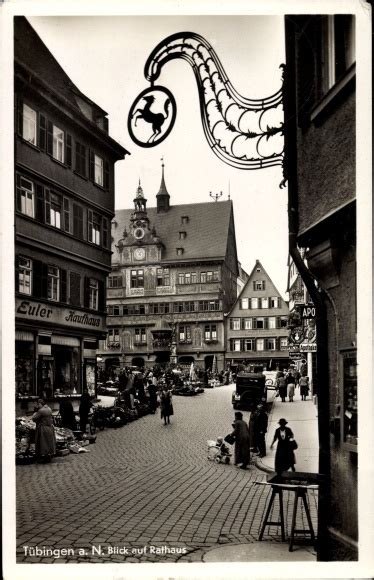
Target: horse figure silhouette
x,y
157,119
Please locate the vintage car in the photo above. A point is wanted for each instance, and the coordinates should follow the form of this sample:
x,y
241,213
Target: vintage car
x,y
250,390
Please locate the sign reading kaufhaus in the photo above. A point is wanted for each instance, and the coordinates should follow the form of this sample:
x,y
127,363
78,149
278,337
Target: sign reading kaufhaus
x,y
41,312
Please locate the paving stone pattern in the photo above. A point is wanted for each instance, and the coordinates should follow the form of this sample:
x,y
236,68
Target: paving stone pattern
x,y
147,485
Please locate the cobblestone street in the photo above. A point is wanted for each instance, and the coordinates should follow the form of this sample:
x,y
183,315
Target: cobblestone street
x,y
146,493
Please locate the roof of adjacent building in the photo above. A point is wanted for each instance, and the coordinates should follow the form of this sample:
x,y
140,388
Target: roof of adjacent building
x,y
207,229
33,55
258,271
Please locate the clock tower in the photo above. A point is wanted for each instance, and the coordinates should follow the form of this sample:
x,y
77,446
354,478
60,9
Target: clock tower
x,y
139,222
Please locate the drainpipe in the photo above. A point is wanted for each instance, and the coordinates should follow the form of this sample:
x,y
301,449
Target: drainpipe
x,y
316,294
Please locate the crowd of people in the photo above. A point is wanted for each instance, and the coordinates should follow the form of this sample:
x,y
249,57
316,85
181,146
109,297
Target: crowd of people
x,y
250,437
288,381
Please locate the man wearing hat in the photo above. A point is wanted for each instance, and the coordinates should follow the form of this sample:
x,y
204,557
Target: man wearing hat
x,y
284,455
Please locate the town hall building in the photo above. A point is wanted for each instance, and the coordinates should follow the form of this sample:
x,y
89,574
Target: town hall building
x,y
174,276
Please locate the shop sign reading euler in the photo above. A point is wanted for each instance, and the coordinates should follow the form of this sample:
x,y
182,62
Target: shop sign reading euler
x,y
29,309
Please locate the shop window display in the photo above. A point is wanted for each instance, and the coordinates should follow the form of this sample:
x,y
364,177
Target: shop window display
x,y
66,369
24,368
349,361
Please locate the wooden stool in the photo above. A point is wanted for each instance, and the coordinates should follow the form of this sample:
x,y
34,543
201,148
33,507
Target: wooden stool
x,y
302,493
276,490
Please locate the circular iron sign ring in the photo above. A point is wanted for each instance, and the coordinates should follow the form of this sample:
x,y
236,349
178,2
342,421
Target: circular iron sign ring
x,y
143,111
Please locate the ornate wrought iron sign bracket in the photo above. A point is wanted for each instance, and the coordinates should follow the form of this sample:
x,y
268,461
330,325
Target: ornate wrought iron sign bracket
x,y
244,133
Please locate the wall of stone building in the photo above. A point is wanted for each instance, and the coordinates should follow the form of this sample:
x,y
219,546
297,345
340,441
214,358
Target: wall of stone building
x,y
340,282
343,514
326,164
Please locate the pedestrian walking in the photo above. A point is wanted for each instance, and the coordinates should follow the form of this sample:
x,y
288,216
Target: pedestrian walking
x,y
285,453
84,409
152,391
304,387
241,435
260,429
166,405
282,387
290,382
45,438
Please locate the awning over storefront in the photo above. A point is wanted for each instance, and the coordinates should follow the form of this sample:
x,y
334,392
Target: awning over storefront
x,y
24,335
65,340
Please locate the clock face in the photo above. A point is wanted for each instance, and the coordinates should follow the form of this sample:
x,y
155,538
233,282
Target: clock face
x,y
139,233
139,254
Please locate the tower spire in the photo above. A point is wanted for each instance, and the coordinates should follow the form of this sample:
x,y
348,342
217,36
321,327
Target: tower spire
x,y
163,197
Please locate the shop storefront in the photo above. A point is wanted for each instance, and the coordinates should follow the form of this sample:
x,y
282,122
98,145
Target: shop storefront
x,y
55,351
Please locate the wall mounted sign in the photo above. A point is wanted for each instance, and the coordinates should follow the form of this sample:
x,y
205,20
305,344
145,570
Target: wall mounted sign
x,y
38,312
152,116
243,132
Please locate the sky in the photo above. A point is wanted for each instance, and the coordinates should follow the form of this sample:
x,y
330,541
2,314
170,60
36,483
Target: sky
x,y
105,58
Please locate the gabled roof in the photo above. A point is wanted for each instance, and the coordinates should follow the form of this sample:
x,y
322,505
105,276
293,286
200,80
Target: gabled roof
x,y
247,289
33,56
30,50
207,229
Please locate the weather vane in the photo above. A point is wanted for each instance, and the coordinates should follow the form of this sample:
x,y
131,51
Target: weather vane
x,y
243,132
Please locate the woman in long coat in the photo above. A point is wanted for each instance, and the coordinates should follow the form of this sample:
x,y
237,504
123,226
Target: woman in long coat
x,y
45,438
242,441
166,405
284,455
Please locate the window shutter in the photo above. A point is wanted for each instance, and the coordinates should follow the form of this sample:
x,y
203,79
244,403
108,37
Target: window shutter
x,y
231,324
240,304
19,123
16,273
50,138
101,301
42,131
47,197
263,284
279,302
78,221
39,211
259,303
106,174
105,232
278,322
63,285
266,322
37,274
66,215
68,150
75,289
242,325
89,222
44,281
249,303
254,284
86,292
92,166
83,161
18,192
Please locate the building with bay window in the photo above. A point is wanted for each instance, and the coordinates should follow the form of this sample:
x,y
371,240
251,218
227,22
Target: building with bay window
x,y
64,204
174,275
257,332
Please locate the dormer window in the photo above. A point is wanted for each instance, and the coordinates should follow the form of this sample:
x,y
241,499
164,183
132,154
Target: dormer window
x,y
180,251
182,235
185,219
